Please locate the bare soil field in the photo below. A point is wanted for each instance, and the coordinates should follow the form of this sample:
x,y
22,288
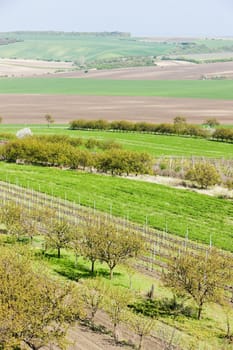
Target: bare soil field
x,y
165,70
20,67
32,108
82,338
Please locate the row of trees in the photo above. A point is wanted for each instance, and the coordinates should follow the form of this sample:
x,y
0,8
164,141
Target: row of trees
x,y
62,154
223,134
45,321
92,240
179,127
89,143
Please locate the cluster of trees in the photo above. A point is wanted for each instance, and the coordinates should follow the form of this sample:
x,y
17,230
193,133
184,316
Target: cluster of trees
x,y
223,134
44,321
63,153
100,240
36,309
179,127
41,316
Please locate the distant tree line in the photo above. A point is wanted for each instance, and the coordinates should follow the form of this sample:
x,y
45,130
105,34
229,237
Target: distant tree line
x,y
179,127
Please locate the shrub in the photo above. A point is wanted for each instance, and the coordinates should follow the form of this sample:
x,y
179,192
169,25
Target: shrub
x,y
204,174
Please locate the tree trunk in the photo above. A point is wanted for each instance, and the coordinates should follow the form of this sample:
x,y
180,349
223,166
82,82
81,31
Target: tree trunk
x,y
92,266
228,327
140,342
199,311
30,345
115,332
111,273
59,252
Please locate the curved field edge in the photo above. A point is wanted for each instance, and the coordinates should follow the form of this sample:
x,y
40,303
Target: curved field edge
x,y
177,210
212,89
156,145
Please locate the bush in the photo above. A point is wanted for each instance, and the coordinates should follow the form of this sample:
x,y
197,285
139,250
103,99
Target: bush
x,y
163,307
204,174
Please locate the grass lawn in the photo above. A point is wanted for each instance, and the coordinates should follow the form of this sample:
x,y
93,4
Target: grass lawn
x,y
156,145
178,209
212,89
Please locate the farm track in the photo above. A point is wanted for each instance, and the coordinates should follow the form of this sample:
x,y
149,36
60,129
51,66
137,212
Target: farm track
x,y
161,246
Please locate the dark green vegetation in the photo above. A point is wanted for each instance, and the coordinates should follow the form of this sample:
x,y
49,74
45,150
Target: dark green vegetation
x,y
170,88
179,210
179,127
66,152
156,145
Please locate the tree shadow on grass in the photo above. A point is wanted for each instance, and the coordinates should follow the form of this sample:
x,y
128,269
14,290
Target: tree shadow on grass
x,y
67,268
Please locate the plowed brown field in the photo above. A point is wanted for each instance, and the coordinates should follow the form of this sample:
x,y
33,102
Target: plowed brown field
x,y
32,108
165,70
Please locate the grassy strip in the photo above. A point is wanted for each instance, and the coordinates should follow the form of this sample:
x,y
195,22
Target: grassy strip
x,y
212,89
156,145
179,210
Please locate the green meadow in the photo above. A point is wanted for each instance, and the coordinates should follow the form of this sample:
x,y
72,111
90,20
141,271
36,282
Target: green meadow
x,y
179,210
210,89
69,46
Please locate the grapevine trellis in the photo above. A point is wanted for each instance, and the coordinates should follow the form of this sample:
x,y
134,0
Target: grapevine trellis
x,y
160,245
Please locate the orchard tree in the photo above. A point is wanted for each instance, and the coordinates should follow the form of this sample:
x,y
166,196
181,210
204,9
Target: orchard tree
x,y
180,124
202,276
204,174
115,305
35,310
90,242
142,326
58,235
118,245
92,293
211,122
12,215
50,120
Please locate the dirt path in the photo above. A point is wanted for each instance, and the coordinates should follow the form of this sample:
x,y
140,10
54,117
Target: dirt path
x,y
31,109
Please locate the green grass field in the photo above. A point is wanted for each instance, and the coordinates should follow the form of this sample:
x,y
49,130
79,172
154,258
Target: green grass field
x,y
211,89
68,46
156,145
178,209
71,48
